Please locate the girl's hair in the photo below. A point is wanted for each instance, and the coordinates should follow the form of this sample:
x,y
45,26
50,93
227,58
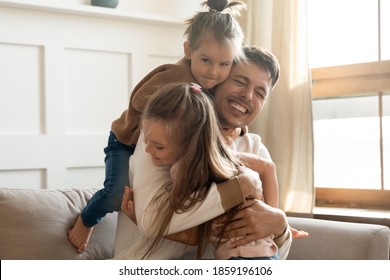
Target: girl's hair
x,y
219,23
192,126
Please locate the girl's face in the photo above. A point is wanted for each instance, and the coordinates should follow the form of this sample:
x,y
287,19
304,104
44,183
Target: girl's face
x,y
158,144
210,62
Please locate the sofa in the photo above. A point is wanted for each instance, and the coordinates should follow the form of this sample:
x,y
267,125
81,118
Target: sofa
x,y
33,225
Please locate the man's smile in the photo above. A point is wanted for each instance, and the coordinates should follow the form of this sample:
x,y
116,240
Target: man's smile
x,y
238,107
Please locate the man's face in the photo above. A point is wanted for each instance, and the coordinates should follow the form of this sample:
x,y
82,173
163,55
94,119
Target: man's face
x,y
239,99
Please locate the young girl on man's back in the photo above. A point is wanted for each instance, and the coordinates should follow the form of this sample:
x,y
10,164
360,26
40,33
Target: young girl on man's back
x,y
180,130
214,41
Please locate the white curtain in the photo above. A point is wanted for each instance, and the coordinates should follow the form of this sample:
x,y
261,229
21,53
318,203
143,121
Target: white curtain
x,y
285,124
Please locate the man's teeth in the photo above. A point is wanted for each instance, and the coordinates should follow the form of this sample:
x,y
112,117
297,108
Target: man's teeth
x,y
239,108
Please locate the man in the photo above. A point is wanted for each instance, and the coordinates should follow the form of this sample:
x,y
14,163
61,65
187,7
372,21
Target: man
x,y
237,101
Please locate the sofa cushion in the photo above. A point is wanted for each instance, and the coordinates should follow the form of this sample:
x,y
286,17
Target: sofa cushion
x,y
34,224
332,240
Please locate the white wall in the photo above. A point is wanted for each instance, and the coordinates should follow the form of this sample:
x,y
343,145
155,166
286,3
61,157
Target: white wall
x,y
172,8
66,71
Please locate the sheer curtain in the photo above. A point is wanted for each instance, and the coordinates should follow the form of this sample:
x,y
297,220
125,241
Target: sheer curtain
x,y
285,124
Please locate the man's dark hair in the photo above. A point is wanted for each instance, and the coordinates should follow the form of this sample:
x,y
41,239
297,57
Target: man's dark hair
x,y
265,60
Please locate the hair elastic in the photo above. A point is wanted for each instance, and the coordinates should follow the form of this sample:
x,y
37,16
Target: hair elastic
x,y
195,88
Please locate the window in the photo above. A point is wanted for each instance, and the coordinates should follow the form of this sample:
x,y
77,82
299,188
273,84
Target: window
x,y
349,53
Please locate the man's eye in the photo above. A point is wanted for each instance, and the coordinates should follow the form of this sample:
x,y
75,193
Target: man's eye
x,y
260,95
239,82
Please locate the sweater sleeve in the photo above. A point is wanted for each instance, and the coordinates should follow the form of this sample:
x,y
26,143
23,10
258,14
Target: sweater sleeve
x,y
162,75
147,184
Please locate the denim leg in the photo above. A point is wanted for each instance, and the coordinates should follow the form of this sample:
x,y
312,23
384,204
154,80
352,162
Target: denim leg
x,y
109,198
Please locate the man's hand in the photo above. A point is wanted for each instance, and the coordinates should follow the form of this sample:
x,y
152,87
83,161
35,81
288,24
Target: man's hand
x,y
127,205
250,183
255,220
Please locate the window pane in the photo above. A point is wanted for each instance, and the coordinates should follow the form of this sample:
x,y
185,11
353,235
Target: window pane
x,y
386,140
342,32
385,29
346,137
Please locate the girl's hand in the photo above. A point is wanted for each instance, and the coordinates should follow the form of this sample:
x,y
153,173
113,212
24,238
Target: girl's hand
x,y
127,205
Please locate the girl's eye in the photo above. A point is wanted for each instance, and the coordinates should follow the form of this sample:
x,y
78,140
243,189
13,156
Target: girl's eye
x,y
205,60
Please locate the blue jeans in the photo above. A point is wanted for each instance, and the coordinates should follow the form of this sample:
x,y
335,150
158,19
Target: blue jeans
x,y
109,198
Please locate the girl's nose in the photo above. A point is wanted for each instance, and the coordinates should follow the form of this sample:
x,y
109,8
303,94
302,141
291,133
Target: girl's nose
x,y
213,70
147,148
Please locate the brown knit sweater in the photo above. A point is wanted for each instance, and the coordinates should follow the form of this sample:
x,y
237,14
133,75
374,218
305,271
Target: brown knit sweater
x,y
127,127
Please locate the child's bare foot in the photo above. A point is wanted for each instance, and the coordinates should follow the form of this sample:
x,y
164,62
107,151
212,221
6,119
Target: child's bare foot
x,y
79,235
298,233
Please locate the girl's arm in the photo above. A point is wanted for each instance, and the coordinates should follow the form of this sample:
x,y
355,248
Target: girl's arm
x,y
159,76
188,236
267,173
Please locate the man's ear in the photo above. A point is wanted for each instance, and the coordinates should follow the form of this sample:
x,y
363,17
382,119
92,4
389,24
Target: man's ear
x,y
187,50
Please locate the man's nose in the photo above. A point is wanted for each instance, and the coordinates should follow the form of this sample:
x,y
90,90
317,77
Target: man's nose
x,y
247,94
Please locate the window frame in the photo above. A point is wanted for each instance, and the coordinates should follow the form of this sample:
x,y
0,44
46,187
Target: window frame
x,y
362,79
359,79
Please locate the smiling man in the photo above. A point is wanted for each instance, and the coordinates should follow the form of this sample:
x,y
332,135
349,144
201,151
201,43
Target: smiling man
x,y
239,100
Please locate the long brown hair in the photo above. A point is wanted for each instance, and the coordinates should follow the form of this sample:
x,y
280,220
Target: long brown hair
x,y
192,126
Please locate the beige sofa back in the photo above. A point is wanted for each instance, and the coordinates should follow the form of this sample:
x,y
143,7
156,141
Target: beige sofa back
x,y
34,224
331,240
